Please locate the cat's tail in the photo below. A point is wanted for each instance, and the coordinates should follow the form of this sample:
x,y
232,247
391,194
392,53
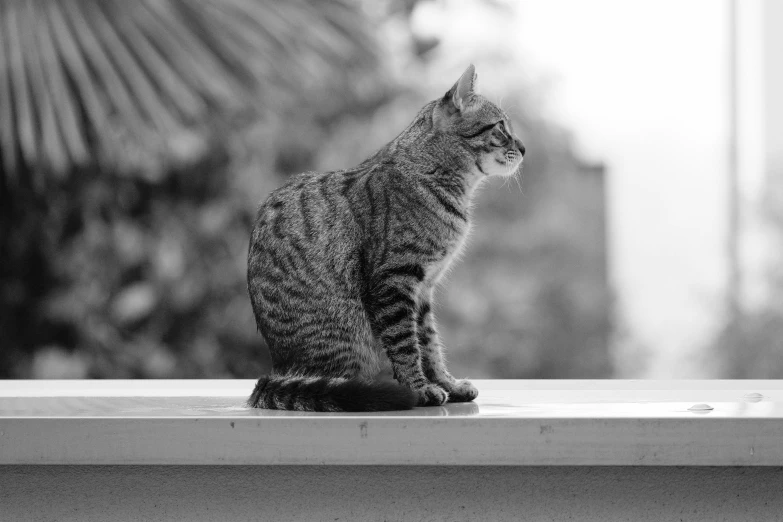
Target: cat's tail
x,y
282,392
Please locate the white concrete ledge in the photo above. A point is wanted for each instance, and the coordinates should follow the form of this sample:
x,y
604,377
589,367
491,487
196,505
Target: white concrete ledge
x,y
541,423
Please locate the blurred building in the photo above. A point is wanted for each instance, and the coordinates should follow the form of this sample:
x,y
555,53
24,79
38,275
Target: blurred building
x,y
689,212
759,130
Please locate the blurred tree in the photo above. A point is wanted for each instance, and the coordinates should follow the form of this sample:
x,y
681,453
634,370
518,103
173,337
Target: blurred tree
x,y
136,86
132,139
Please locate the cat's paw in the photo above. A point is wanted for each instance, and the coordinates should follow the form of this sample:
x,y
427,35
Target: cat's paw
x,y
461,391
432,395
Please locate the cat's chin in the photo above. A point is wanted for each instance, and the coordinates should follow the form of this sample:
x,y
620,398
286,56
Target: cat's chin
x,y
501,169
516,168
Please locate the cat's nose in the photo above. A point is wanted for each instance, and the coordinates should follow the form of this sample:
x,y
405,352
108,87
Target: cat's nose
x,y
520,146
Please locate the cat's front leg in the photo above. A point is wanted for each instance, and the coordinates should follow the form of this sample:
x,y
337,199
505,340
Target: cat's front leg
x,y
433,361
393,310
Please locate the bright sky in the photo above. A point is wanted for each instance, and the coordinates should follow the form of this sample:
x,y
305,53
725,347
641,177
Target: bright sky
x,y
643,85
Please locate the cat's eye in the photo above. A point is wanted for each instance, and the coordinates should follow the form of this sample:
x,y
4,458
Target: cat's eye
x,y
499,135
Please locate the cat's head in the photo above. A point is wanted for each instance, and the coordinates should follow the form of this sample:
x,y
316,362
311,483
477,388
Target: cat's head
x,y
480,128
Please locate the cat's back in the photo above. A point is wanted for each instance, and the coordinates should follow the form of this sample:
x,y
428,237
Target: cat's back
x,y
307,207
305,226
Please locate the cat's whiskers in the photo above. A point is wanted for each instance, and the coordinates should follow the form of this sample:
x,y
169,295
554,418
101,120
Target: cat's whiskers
x,y
506,183
512,171
505,178
517,175
507,175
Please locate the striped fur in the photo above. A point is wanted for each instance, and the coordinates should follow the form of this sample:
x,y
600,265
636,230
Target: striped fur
x,y
329,394
342,265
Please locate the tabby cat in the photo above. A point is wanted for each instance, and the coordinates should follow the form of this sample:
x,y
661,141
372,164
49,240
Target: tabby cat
x,y
342,265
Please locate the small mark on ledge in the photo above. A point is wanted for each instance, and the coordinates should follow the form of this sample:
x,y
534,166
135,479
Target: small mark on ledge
x,y
545,429
753,397
232,424
701,408
363,430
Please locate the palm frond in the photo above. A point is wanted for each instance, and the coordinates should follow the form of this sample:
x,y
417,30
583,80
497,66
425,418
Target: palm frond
x,y
118,83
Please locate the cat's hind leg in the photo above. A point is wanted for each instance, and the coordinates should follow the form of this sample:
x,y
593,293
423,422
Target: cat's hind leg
x,y
324,363
331,340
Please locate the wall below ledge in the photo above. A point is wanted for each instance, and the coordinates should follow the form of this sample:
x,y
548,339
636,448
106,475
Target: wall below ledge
x,y
370,493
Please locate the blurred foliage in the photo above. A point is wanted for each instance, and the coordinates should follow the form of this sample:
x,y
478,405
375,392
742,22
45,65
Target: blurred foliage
x,y
132,278
134,151
138,86
113,267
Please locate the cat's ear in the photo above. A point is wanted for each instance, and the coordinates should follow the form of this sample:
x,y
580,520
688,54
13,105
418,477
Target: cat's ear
x,y
461,95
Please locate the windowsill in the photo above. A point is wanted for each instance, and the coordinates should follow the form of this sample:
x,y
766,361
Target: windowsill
x,y
513,422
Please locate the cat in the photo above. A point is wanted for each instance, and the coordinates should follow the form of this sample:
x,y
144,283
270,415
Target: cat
x,y
342,265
